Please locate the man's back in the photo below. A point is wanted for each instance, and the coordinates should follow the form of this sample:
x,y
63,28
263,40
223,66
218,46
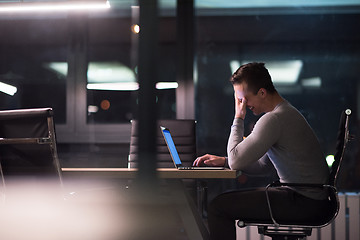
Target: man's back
x,y
287,139
296,154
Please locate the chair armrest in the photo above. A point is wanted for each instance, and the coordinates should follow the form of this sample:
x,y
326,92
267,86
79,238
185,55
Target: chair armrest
x,y
25,141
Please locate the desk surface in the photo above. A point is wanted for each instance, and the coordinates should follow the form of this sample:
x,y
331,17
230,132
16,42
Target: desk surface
x,y
162,173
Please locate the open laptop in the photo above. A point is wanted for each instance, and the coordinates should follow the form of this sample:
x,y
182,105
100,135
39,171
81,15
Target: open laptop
x,y
175,155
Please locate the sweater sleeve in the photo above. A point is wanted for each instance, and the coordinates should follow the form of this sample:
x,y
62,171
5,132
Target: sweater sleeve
x,y
262,167
244,152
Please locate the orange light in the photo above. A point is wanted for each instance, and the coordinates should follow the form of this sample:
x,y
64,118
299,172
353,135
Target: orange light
x,y
135,28
105,104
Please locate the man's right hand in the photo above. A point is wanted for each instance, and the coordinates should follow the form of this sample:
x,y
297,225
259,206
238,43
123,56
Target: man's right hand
x,y
210,160
240,107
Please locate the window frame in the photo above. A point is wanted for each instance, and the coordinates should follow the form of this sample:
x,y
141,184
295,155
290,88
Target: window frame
x,y
76,129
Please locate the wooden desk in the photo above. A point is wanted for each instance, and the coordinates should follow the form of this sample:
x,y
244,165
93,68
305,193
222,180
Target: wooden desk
x,y
128,173
193,223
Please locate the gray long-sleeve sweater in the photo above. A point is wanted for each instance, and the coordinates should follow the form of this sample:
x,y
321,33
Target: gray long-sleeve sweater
x,y
284,137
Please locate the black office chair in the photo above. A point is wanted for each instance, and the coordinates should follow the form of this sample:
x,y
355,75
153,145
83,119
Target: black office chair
x,y
28,147
297,230
183,132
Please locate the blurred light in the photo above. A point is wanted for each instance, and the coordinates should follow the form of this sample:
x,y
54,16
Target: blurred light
x,y
167,85
93,109
135,28
58,67
314,82
284,72
234,65
99,72
109,76
105,104
8,89
38,211
127,86
103,75
53,6
109,72
330,159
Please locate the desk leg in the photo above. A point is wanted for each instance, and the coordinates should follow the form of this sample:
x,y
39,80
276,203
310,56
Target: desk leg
x,y
201,194
189,214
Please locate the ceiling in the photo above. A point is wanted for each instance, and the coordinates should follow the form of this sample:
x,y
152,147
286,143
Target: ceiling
x,y
223,4
122,8
230,7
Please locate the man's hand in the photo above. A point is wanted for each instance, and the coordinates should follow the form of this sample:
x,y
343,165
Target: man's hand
x,y
240,107
210,160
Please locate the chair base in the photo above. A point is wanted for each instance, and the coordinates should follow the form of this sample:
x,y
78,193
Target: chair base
x,y
282,233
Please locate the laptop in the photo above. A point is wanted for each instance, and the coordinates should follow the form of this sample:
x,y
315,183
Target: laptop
x,y
175,155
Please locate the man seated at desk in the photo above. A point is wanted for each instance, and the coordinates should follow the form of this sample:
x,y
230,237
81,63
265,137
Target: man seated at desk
x,y
281,138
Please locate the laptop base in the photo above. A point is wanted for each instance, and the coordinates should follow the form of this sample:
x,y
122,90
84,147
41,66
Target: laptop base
x,y
200,168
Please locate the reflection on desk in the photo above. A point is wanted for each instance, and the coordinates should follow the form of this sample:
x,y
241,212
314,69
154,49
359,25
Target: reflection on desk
x,y
162,173
165,226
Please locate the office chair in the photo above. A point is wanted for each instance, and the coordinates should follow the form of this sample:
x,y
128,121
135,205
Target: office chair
x,y
183,132
28,147
293,230
184,136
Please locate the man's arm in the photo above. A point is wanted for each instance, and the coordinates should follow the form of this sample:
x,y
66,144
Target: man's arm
x,y
262,167
243,153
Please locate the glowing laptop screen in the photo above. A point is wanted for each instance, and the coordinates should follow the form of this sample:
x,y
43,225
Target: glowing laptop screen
x,y
171,146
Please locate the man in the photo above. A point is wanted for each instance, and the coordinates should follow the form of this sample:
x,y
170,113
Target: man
x,y
281,138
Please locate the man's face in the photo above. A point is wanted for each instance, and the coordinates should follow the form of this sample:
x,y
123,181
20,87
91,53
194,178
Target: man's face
x,y
254,101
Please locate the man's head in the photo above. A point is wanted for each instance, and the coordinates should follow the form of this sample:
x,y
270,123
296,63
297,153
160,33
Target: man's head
x,y
252,82
255,75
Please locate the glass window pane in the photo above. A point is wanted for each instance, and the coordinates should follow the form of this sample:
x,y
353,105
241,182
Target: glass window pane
x,y
111,92
28,79
111,76
315,69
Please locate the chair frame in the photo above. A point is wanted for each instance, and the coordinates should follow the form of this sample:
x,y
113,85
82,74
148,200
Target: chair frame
x,y
50,139
293,231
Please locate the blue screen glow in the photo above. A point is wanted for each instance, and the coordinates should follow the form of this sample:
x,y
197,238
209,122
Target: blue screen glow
x,y
172,147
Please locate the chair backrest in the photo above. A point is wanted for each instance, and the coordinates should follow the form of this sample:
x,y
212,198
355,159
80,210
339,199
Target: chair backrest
x,y
28,145
184,136
342,139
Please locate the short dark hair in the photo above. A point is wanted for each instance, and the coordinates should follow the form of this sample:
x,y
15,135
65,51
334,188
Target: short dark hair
x,y
255,75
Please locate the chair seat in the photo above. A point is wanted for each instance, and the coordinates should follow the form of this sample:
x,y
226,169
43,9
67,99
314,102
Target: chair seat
x,y
308,223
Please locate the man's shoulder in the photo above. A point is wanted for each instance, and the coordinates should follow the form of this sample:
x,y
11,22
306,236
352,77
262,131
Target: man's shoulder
x,y
281,114
285,109
270,118
286,114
